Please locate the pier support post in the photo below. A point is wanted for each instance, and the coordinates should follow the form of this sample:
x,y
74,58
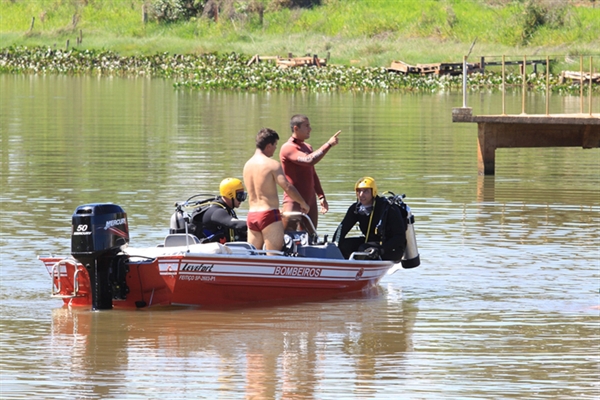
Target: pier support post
x,y
523,132
486,149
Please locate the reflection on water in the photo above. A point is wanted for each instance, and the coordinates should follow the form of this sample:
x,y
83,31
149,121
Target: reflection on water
x,y
268,352
486,188
504,304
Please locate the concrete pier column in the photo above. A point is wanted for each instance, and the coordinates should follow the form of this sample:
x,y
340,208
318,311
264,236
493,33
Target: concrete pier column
x,y
486,148
523,131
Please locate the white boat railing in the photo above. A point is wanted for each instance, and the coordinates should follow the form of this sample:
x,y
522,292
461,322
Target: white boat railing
x,y
57,281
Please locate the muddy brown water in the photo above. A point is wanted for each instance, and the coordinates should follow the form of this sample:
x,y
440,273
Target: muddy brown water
x,y
504,304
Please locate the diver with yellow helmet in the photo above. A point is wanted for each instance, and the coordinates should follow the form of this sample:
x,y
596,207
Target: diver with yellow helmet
x,y
383,227
219,223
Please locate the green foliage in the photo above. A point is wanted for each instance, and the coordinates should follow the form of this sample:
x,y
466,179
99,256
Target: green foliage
x,y
176,10
535,20
231,72
363,32
278,4
167,10
537,14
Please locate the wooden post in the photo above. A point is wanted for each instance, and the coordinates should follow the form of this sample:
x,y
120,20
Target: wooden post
x,y
590,86
581,84
464,71
524,84
547,85
144,14
482,64
503,85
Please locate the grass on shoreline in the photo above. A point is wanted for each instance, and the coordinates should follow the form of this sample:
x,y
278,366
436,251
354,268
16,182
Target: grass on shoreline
x,y
353,32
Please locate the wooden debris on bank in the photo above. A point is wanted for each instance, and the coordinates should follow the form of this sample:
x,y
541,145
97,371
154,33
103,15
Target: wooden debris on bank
x,y
291,61
435,68
576,77
401,66
302,62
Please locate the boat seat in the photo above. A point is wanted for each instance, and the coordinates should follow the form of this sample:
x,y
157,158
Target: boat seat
x,y
327,250
241,247
179,239
299,227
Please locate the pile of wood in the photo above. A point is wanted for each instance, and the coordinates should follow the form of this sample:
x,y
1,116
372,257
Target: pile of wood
x,y
401,66
291,61
576,77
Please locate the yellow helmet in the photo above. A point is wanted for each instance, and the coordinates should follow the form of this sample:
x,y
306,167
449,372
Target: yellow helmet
x,y
366,182
229,187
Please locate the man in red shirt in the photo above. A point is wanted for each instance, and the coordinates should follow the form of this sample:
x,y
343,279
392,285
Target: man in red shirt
x,y
298,161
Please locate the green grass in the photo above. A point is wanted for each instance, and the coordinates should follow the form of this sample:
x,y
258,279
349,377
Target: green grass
x,y
353,32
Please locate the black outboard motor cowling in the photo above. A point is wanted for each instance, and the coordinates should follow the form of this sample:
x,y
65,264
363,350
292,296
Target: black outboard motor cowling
x,y
98,232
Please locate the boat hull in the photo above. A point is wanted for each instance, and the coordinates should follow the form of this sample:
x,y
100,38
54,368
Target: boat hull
x,y
217,280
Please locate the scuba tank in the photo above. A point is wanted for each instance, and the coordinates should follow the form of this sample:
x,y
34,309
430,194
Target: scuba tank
x,y
177,224
180,218
411,258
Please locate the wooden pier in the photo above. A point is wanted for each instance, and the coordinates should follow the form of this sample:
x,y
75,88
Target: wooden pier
x,y
531,130
509,131
456,68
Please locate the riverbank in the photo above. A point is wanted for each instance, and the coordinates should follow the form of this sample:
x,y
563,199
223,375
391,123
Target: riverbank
x,y
365,33
360,40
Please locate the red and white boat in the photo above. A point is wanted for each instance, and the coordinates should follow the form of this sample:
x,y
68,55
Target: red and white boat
x,y
104,271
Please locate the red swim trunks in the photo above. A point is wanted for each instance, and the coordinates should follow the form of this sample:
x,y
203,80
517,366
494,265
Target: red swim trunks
x,y
259,220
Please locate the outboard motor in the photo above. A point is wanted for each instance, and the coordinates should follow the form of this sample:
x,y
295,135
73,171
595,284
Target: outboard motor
x,y
411,258
98,233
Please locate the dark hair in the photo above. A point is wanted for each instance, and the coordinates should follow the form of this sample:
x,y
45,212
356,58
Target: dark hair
x,y
266,136
297,120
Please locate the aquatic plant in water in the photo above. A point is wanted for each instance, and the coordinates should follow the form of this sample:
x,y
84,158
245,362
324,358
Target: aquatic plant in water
x,y
231,72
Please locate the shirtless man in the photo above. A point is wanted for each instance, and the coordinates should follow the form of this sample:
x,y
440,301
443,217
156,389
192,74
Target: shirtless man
x,y
262,174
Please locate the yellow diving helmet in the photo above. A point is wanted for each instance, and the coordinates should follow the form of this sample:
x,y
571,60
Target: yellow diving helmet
x,y
232,188
366,183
